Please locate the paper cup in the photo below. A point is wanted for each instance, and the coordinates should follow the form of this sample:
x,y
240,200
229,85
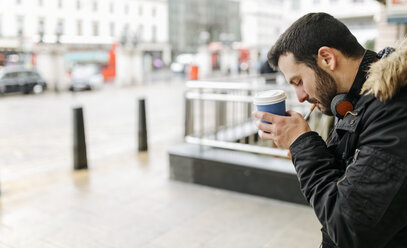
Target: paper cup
x,y
272,101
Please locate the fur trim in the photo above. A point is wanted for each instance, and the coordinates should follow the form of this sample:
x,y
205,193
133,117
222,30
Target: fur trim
x,y
387,76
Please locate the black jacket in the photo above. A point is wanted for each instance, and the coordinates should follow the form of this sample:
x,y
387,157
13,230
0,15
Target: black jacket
x,y
357,184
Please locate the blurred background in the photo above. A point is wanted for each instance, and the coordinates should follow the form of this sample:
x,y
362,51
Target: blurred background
x,y
126,41
166,90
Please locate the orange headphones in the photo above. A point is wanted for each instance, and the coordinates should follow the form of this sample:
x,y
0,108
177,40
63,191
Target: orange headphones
x,y
343,103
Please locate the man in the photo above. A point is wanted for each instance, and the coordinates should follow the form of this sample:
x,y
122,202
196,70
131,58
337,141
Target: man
x,y
357,183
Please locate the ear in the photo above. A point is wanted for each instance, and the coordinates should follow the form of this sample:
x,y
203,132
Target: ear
x,y
327,58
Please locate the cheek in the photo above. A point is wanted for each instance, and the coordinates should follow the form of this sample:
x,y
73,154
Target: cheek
x,y
310,88
309,81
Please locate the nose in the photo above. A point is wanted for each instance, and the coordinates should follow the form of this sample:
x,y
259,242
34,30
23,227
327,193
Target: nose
x,y
301,94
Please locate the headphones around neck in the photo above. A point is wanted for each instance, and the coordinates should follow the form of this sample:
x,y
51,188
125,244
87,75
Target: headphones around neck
x,y
343,103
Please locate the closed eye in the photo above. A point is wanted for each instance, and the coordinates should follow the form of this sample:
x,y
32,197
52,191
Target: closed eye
x,y
296,83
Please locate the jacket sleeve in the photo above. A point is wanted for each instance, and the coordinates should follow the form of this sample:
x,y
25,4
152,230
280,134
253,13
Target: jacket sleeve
x,y
355,207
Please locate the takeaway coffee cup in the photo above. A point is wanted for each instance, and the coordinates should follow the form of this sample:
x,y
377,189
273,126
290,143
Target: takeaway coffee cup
x,y
272,101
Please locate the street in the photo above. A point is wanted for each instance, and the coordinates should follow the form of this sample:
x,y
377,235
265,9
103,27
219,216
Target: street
x,y
36,130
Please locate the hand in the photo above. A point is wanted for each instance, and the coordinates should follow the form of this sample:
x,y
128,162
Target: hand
x,y
283,130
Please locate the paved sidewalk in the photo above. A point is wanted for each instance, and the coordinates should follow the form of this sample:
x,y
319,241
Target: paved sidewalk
x,y
125,199
128,201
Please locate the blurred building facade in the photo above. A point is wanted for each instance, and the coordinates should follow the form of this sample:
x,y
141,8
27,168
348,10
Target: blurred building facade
x,y
360,16
372,22
193,23
143,32
262,23
84,30
264,20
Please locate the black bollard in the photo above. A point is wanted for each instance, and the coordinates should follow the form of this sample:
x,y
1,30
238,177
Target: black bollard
x,y
80,160
142,126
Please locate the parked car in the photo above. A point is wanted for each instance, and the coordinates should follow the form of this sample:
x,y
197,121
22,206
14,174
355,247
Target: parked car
x,y
86,77
21,79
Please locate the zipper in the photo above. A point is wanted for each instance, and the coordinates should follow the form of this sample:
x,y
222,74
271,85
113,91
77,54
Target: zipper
x,y
355,157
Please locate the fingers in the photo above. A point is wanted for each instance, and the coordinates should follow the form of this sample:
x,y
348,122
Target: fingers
x,y
265,136
264,126
269,136
284,130
265,116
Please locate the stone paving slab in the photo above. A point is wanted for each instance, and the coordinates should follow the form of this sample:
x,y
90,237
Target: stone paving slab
x,y
134,204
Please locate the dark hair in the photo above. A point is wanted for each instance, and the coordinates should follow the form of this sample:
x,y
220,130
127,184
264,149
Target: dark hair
x,y
311,32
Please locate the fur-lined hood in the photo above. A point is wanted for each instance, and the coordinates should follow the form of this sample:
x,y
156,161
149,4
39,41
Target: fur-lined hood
x,y
388,75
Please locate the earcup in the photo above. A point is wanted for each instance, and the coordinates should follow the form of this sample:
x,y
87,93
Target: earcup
x,y
340,105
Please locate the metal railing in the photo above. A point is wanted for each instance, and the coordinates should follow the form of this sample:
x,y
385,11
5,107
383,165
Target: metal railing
x,y
218,113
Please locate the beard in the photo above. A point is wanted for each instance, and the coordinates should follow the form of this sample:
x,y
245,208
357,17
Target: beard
x,y
327,90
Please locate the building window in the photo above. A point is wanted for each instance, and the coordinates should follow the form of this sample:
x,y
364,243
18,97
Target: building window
x,y
60,27
18,1
126,29
60,4
41,3
140,10
153,12
111,7
79,28
153,33
112,31
95,28
41,26
78,4
126,9
20,26
140,32
124,34
95,6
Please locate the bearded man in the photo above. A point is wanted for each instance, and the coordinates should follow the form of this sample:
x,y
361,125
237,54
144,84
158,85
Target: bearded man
x,y
357,183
